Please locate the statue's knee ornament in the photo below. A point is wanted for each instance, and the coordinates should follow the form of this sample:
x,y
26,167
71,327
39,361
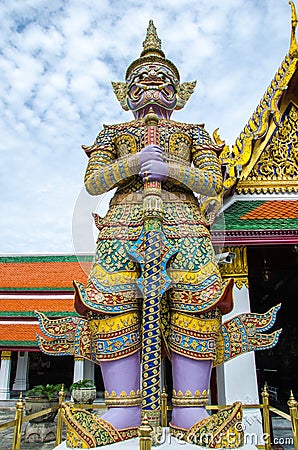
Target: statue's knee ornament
x,y
195,336
115,337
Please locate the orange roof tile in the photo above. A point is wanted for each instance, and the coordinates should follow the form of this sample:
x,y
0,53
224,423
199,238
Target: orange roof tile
x,y
26,275
19,332
32,304
275,209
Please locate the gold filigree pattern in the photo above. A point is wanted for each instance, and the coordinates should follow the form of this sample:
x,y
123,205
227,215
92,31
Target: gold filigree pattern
x,y
152,42
245,333
184,91
238,268
115,323
190,400
125,144
87,430
195,336
120,90
5,355
276,170
221,430
112,400
180,144
268,109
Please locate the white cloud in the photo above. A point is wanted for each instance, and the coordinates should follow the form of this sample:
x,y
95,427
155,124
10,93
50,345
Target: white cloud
x,y
57,61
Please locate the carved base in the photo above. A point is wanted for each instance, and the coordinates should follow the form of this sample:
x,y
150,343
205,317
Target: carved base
x,y
40,432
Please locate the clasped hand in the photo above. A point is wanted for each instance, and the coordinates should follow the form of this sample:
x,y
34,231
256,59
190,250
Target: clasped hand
x,y
153,164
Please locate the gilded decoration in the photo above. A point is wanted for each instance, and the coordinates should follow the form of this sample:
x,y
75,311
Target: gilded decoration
x,y
124,399
276,169
86,430
5,355
125,144
266,114
244,333
98,338
195,337
238,268
188,399
293,52
221,430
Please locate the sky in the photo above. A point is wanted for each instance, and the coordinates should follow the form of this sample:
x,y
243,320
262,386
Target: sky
x,y
57,62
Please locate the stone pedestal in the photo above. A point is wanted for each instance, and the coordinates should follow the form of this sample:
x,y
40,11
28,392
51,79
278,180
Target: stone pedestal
x,y
40,432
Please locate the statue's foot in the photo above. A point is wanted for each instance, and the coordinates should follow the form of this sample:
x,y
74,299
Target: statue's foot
x,y
123,417
87,430
187,417
221,430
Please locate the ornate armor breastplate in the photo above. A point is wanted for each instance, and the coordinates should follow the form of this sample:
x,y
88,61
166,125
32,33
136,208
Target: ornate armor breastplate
x,y
175,138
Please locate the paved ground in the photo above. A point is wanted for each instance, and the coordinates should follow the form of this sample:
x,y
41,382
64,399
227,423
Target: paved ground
x,y
282,433
281,429
6,436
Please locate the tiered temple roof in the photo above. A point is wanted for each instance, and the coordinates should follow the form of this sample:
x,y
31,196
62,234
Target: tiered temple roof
x,y
42,283
258,222
261,207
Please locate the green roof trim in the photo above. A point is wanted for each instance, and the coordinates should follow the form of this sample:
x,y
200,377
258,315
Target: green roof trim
x,y
49,258
230,219
18,343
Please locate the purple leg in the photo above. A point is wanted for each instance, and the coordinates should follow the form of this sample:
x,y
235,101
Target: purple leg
x,y
189,374
122,375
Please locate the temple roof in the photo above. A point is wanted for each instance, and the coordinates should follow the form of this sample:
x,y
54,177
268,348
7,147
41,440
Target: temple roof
x,y
273,166
43,273
18,305
36,283
264,155
258,222
18,336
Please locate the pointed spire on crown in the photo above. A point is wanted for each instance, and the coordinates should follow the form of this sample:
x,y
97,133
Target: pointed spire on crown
x,y
152,43
152,52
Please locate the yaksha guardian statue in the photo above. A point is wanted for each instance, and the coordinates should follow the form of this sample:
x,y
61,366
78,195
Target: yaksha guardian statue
x,y
154,284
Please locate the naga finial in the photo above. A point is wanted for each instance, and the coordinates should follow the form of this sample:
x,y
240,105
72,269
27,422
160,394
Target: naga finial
x,y
293,52
152,43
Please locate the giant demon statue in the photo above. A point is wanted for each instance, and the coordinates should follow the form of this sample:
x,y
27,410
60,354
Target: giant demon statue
x,y
154,286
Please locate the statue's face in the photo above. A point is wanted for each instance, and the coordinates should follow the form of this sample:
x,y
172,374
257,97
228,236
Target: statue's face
x,y
152,86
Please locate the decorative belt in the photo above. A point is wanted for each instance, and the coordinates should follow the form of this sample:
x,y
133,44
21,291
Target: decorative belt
x,y
137,197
